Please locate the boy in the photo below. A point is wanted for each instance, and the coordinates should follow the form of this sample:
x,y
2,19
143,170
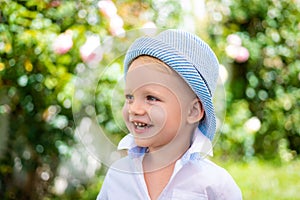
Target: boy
x,y
169,112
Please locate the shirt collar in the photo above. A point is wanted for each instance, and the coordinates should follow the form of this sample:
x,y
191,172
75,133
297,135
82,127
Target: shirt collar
x,y
201,147
201,144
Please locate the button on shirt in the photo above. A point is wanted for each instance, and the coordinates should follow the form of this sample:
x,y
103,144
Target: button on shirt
x,y
194,176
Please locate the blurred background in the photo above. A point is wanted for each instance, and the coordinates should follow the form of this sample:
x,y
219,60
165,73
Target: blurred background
x,y
46,44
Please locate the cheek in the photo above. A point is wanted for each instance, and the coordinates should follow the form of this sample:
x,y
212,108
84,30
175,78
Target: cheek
x,y
158,115
175,115
125,112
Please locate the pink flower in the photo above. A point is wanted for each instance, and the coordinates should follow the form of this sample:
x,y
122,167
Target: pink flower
x,y
107,8
239,53
242,55
235,50
234,39
63,43
116,25
232,51
90,51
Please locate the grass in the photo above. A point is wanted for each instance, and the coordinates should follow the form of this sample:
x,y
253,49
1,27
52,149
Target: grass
x,y
260,180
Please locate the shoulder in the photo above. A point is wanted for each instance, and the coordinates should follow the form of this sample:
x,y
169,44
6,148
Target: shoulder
x,y
215,173
218,181
211,166
119,180
120,168
115,173
121,164
125,166
207,166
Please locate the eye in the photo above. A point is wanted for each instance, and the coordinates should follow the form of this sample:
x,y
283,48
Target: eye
x,y
151,98
129,98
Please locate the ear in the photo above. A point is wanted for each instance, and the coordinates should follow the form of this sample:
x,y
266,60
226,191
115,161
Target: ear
x,y
196,111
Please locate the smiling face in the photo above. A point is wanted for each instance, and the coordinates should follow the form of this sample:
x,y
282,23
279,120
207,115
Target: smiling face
x,y
158,104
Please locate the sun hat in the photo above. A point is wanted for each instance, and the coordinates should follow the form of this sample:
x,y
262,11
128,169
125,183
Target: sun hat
x,y
191,58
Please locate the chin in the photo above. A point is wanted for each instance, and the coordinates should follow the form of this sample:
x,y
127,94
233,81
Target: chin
x,y
142,142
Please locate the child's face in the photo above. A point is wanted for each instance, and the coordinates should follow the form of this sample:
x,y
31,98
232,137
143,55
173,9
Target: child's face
x,y
155,100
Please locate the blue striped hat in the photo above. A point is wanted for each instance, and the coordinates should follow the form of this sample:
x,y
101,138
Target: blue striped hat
x,y
192,59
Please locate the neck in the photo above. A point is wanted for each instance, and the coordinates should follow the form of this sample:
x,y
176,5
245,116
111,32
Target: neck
x,y
161,157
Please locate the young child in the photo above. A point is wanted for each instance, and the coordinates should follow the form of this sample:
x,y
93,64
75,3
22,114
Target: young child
x,y
170,80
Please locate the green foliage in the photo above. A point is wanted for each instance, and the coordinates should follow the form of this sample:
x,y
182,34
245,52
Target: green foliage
x,y
268,80
31,79
41,53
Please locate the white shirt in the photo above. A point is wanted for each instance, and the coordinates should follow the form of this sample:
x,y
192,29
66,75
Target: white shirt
x,y
194,176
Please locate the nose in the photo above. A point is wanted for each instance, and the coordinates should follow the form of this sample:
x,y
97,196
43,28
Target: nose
x,y
136,107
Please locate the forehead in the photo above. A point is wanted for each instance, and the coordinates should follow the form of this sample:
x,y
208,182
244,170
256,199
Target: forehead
x,y
146,70
154,62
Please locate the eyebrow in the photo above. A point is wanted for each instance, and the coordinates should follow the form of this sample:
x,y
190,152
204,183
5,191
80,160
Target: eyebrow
x,y
147,89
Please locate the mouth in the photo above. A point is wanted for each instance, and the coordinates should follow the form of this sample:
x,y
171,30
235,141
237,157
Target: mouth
x,y
140,125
